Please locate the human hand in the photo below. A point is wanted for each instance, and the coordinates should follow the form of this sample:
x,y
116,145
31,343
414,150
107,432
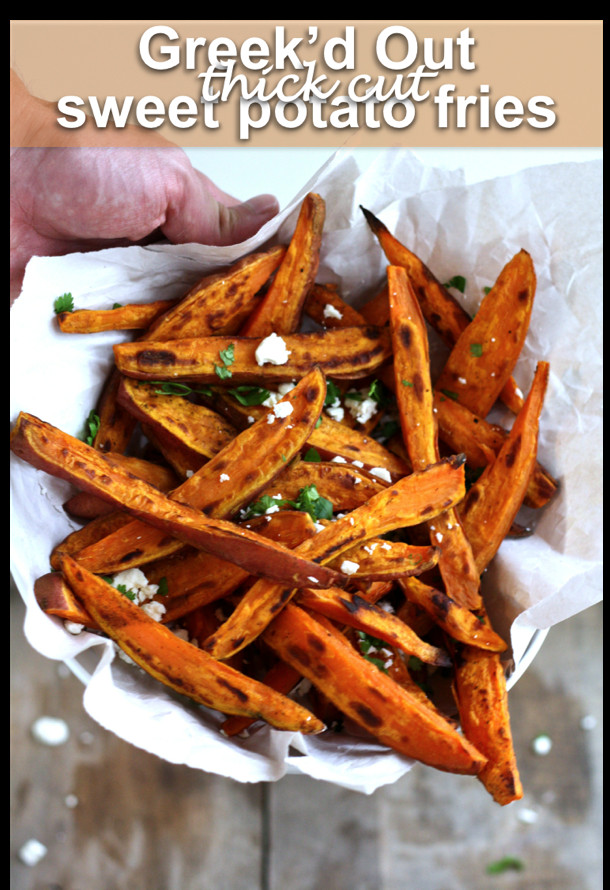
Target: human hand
x,y
79,199
114,190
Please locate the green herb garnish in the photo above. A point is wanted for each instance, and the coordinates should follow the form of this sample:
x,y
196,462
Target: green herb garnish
x,y
332,393
504,864
163,587
458,282
92,425
369,645
250,395
169,388
117,305
312,455
130,594
308,501
450,394
476,349
227,356
65,303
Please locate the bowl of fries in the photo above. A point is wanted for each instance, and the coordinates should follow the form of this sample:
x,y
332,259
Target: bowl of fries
x,y
304,501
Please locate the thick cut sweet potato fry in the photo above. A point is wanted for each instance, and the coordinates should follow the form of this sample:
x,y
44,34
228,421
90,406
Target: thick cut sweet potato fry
x,y
89,534
345,486
281,677
441,310
459,623
406,503
379,560
482,700
116,425
220,302
486,352
178,664
414,395
225,483
359,613
55,597
133,316
492,503
176,420
55,452
328,309
347,353
281,307
368,696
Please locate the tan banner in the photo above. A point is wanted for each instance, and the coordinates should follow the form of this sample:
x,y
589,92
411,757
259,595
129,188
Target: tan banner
x,y
325,83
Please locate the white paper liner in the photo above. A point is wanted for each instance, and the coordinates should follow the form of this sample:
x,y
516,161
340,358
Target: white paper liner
x,y
553,212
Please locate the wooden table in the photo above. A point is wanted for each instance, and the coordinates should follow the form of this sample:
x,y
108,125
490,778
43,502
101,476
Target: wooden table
x,y
113,817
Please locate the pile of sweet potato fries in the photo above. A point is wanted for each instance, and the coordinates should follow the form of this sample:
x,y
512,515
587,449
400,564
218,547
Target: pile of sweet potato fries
x,y
305,500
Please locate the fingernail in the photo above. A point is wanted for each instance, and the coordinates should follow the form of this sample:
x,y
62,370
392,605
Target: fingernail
x,y
263,205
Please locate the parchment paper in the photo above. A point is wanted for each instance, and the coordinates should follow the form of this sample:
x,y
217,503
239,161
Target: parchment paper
x,y
553,212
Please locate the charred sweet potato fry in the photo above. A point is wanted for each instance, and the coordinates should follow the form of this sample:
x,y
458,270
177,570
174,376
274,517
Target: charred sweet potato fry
x,y
491,504
441,310
459,623
347,353
359,613
482,700
89,534
176,420
281,677
345,486
133,316
327,308
367,695
55,597
116,426
414,394
486,351
379,560
404,504
226,482
220,302
281,308
55,452
178,664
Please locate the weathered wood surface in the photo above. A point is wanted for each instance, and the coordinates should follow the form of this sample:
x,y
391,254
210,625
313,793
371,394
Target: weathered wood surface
x,y
115,818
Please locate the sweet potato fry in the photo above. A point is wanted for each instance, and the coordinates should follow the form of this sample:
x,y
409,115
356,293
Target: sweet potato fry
x,y
55,597
414,394
281,307
368,696
178,664
379,560
441,310
345,486
225,483
281,677
328,309
486,352
491,504
176,420
59,454
116,426
359,613
457,622
406,503
220,302
480,692
348,353
133,316
89,534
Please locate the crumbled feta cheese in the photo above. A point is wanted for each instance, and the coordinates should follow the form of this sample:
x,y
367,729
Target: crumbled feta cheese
x,y
348,567
189,473
272,351
438,537
381,473
32,852
137,583
283,409
357,463
362,410
73,627
337,459
312,579
331,312
283,388
336,412
462,380
386,546
270,418
319,527
274,509
250,418
50,731
271,400
223,477
154,610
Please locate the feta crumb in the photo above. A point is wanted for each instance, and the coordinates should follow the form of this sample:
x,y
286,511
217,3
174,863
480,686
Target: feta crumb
x,y
189,473
336,412
283,409
50,731
357,480
272,351
270,418
381,473
314,580
73,627
137,583
357,463
331,312
250,418
348,567
283,388
32,852
154,610
271,400
274,509
462,380
223,477
438,537
337,459
363,410
319,527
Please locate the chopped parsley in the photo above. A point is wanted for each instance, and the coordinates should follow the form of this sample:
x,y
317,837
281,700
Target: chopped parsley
x,y
504,864
458,282
92,425
450,394
169,388
163,587
227,356
117,305
332,393
130,594
309,500
369,647
312,455
65,303
476,349
250,395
